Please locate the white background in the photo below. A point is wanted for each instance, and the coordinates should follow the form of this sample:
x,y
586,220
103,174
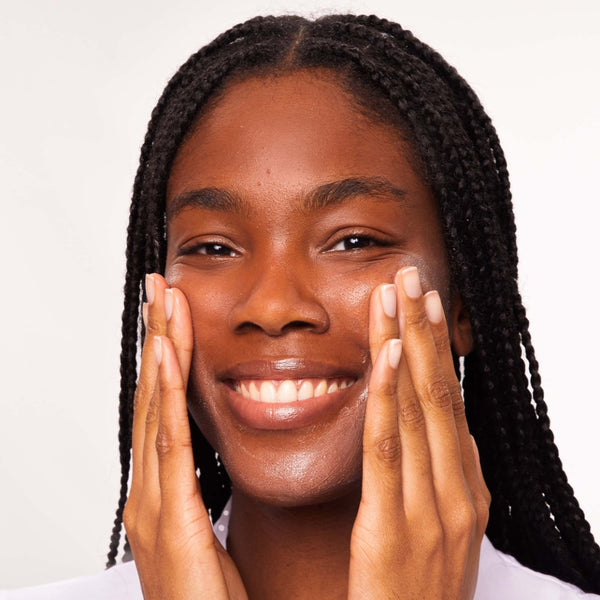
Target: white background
x,y
77,83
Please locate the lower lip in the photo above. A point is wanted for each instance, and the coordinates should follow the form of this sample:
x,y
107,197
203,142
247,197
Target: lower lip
x,y
286,415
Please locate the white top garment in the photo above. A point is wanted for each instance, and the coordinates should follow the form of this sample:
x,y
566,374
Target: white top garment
x,y
501,577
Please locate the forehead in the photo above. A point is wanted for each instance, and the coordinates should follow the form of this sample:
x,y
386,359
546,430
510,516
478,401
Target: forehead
x,y
294,130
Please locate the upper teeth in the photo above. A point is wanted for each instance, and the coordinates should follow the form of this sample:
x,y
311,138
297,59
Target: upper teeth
x,y
289,390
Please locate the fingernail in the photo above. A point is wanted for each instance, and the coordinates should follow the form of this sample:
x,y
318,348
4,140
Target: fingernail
x,y
168,303
433,307
394,353
158,349
388,300
150,288
411,283
145,313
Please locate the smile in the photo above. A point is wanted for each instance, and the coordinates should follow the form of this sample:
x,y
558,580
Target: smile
x,y
289,390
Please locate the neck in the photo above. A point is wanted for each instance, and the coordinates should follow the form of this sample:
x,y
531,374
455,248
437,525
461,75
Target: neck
x,y
300,552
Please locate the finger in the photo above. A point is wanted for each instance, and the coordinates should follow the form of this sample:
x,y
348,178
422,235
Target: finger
x,y
383,324
177,471
179,328
145,386
157,327
471,516
439,328
417,478
382,475
429,382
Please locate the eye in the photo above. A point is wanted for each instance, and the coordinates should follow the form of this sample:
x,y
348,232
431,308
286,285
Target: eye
x,y
354,242
210,249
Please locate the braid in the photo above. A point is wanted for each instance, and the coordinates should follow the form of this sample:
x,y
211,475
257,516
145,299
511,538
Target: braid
x,y
399,80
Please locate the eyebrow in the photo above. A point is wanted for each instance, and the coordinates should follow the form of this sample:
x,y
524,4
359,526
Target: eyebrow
x,y
323,196
337,192
210,198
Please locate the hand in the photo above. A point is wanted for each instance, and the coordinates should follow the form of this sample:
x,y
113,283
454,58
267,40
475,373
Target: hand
x,y
424,504
176,552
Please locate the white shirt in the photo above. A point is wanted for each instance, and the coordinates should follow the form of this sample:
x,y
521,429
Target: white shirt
x,y
501,577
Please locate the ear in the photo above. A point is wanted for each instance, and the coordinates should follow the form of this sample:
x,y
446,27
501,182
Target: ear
x,y
459,326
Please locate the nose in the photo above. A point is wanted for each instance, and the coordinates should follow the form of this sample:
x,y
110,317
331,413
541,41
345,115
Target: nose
x,y
278,299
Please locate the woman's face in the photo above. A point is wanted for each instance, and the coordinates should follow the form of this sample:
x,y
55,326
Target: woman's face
x,y
285,208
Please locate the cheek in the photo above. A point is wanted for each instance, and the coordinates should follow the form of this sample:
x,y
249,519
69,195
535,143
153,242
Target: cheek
x,y
210,303
210,306
347,302
348,297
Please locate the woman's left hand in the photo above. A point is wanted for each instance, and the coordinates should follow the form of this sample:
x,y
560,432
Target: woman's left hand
x,y
424,504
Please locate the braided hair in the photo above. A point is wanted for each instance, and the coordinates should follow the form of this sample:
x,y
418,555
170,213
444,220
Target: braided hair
x,y
534,515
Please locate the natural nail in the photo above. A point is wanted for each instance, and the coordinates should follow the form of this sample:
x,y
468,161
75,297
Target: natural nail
x,y
150,288
433,307
388,300
411,283
158,349
168,303
394,353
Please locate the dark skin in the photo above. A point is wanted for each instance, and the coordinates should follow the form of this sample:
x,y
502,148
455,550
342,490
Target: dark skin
x,y
294,228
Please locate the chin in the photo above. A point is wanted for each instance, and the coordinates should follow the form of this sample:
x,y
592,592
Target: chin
x,y
297,481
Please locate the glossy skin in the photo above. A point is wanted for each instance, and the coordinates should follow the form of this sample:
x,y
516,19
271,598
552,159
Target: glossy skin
x,y
289,293
279,280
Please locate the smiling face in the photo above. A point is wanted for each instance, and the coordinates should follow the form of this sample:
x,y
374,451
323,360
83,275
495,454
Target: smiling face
x,y
285,208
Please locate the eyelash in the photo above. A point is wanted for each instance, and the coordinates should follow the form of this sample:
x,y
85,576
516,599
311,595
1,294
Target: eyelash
x,y
219,250
359,240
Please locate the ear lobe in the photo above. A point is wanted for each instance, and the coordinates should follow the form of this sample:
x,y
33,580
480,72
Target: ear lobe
x,y
461,334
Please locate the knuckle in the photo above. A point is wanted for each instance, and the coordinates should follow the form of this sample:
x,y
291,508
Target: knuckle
x,y
176,388
152,413
438,393
442,342
155,326
166,444
432,539
464,519
384,390
482,510
388,449
455,390
487,498
416,320
129,517
163,444
458,409
410,413
142,391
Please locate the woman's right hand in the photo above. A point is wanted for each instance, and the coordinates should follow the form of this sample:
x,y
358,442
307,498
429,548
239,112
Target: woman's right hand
x,y
176,552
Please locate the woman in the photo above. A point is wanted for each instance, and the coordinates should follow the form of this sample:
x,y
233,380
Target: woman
x,y
330,209
454,149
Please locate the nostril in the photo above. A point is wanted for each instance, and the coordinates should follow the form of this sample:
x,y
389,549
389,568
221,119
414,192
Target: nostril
x,y
247,327
299,325
273,329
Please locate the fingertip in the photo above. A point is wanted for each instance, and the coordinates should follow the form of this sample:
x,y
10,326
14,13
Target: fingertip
x,y
169,301
394,353
150,287
387,296
180,302
433,307
158,349
408,278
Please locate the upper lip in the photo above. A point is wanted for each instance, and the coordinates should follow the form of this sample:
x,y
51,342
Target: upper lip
x,y
289,368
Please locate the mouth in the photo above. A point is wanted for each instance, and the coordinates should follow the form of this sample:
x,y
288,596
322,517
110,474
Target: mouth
x,y
289,393
289,390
